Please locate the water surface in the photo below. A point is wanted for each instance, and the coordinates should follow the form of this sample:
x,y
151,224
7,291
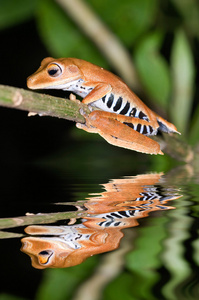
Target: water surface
x,y
129,237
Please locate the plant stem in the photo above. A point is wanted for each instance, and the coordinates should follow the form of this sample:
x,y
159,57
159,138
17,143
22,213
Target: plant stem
x,y
41,104
30,219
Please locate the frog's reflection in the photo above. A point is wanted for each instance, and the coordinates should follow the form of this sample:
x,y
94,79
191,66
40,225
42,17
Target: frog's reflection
x,y
123,202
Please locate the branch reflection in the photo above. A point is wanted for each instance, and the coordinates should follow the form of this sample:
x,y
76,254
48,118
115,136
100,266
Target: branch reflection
x,y
122,203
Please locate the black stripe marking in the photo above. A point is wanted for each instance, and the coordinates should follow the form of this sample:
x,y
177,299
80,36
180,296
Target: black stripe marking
x,y
103,99
117,224
115,215
114,137
118,104
101,223
122,213
150,129
108,223
110,101
141,115
131,212
161,207
144,131
125,109
133,112
139,127
129,124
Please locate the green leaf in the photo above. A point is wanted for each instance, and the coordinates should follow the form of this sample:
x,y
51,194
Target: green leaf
x,y
150,237
153,69
189,11
144,264
194,130
183,73
61,37
13,12
120,288
128,19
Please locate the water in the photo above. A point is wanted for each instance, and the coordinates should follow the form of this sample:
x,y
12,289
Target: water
x,y
94,237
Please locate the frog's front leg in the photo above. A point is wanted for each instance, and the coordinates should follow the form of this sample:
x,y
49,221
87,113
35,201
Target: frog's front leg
x,y
100,89
118,133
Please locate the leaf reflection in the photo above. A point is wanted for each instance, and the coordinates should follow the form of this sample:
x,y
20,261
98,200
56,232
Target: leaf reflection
x,y
119,206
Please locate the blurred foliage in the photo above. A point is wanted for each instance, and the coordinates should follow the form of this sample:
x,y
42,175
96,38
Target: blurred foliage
x,y
183,73
61,36
161,36
13,12
129,19
60,284
153,68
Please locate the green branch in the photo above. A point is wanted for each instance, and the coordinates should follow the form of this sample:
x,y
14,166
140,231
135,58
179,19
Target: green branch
x,y
31,219
43,218
41,104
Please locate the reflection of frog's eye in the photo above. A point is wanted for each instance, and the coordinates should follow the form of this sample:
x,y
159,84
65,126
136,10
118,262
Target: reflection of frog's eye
x,y
54,70
44,256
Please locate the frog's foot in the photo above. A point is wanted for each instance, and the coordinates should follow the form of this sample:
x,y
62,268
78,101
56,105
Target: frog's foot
x,y
85,114
87,127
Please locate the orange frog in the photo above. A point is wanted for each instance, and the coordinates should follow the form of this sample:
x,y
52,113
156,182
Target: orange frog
x,y
122,118
122,203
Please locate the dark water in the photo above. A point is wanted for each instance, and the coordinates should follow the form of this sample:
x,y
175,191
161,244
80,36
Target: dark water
x,y
91,236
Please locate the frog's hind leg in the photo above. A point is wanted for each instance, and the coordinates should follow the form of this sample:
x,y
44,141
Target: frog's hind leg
x,y
166,126
119,134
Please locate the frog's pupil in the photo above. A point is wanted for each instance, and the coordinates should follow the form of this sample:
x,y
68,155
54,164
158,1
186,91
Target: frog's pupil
x,y
44,252
52,72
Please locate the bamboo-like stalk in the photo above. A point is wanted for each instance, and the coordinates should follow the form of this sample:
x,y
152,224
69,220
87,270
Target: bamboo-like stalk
x,y
41,104
31,219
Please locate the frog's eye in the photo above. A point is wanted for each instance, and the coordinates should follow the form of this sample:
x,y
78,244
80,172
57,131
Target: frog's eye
x,y
44,256
54,70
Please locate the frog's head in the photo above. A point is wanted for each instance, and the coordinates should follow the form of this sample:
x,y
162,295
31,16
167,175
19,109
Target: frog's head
x,y
54,74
